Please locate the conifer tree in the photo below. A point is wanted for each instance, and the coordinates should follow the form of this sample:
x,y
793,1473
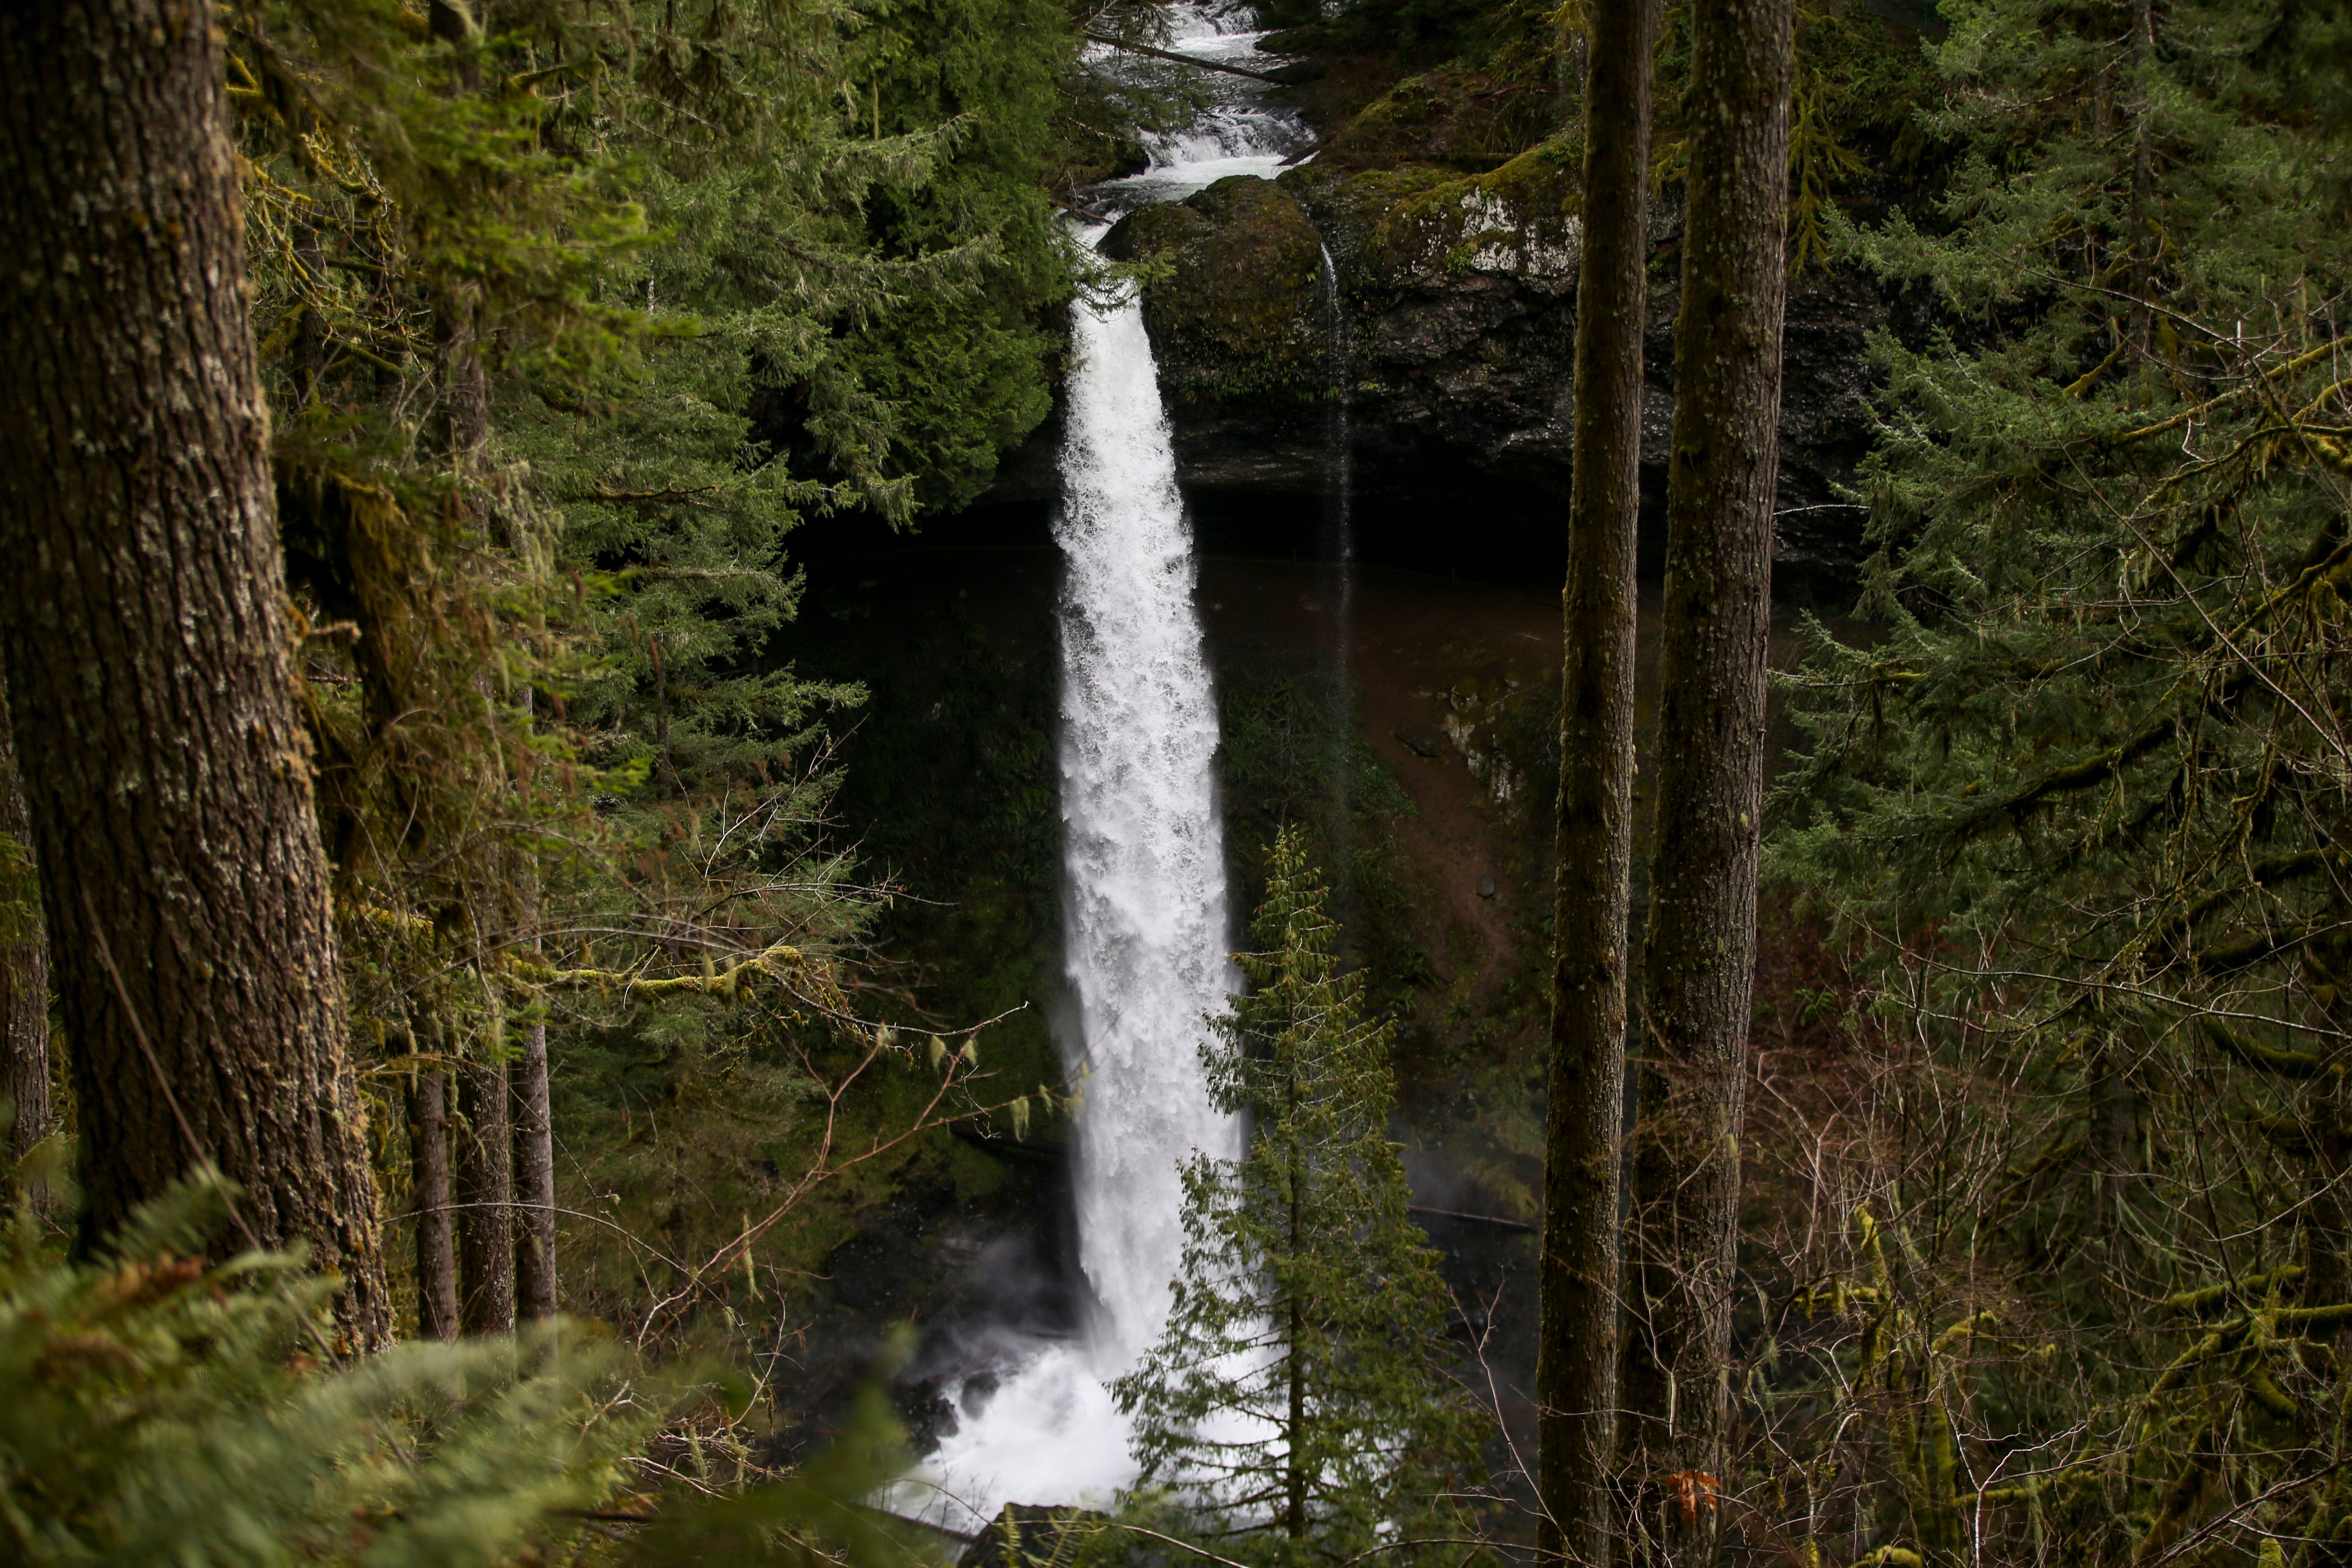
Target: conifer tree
x,y
2080,800
1298,1405
1698,951
1576,1376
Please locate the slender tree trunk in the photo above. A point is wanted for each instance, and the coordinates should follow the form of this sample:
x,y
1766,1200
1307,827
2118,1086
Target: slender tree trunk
x,y
1576,1368
436,1265
2143,189
534,1182
484,1195
1700,952
483,1182
534,1154
464,414
144,626
24,985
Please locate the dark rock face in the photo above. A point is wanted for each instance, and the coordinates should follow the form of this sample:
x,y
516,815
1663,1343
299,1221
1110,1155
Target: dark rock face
x,y
1234,317
1458,294
1027,1533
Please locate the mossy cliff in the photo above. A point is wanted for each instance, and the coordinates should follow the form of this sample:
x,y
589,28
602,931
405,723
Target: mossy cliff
x,y
1450,201
1459,296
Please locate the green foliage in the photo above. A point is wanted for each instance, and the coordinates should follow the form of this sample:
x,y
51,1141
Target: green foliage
x,y
1290,761
1297,1408
717,270
156,1408
2078,800
162,1409
964,370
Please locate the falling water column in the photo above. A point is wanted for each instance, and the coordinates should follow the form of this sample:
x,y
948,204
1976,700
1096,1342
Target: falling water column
x,y
1144,862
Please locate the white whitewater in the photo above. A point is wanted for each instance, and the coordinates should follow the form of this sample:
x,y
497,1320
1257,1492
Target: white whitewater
x,y
1143,855
1145,911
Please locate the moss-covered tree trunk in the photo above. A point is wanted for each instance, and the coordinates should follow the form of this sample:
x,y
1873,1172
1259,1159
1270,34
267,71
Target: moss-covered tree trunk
x,y
1700,951
144,629
24,981
1576,1369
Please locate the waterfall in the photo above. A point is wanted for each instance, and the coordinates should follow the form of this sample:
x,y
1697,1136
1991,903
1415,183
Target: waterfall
x,y
1144,859
1146,922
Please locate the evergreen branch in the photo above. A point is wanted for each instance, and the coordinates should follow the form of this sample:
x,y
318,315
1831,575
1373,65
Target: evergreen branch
x,y
2276,373
2070,779
2265,875
646,498
2259,950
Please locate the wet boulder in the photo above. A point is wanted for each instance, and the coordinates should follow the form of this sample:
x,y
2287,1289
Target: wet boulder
x,y
1232,294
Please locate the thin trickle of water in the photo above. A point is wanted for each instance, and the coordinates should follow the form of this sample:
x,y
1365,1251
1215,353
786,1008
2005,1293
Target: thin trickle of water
x,y
1145,914
1340,560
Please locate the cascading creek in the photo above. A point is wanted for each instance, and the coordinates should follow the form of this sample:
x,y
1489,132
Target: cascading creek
x,y
1145,921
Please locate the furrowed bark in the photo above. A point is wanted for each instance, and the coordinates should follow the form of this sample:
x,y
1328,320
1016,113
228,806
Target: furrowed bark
x,y
1576,1370
1698,956
144,628
23,989
436,1263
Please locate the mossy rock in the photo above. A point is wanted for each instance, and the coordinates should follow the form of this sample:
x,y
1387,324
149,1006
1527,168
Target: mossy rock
x,y
1395,229
1462,120
1236,311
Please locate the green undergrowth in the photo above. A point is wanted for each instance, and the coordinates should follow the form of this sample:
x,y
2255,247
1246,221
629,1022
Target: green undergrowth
x,y
161,1402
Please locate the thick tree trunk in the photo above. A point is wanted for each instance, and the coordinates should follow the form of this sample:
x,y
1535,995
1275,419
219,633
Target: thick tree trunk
x,y
1576,1369
144,626
23,985
428,1149
1700,952
485,1196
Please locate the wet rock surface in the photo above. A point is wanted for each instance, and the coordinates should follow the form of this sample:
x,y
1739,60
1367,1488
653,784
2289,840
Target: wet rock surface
x,y
1458,313
1234,316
